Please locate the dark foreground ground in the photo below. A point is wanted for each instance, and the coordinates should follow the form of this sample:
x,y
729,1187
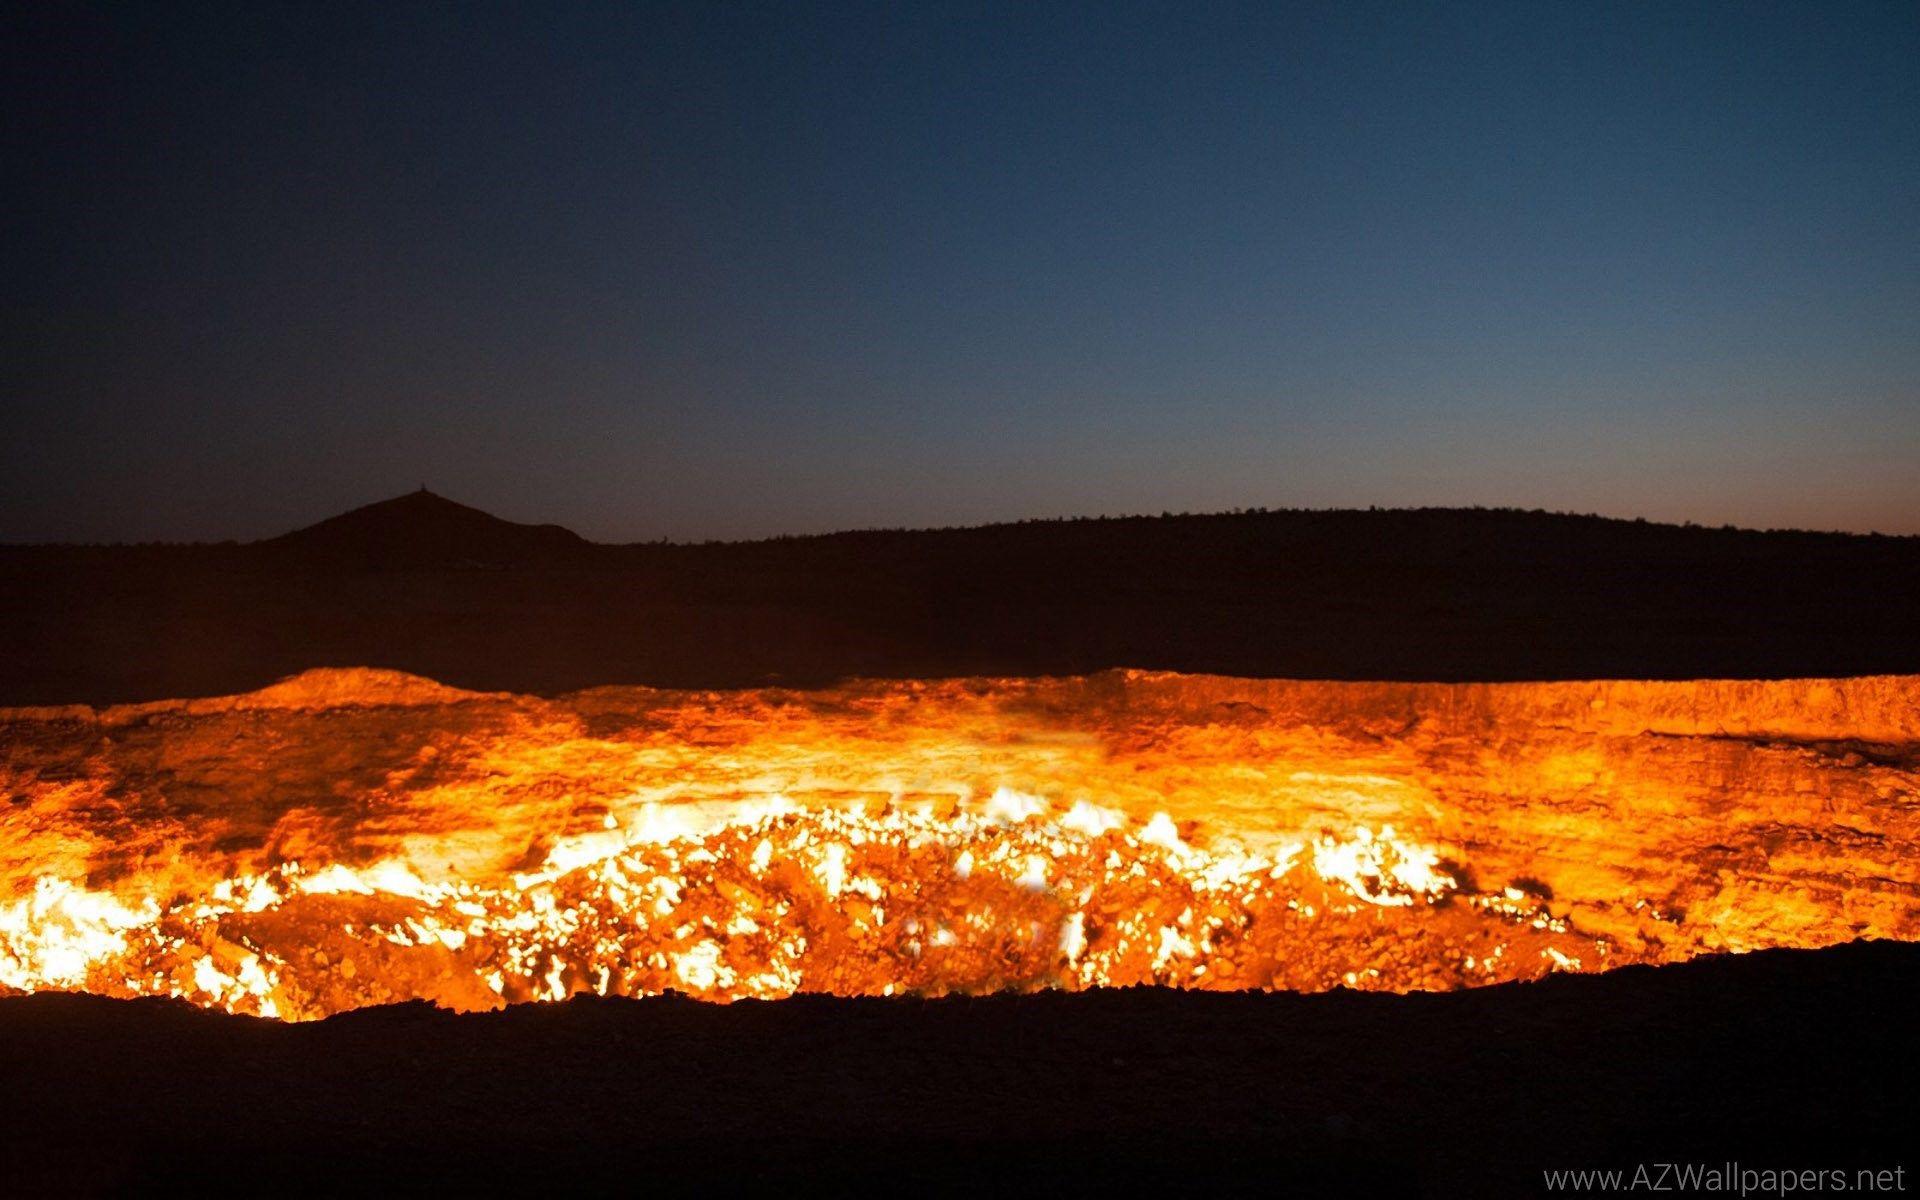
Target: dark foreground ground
x,y
428,586
1781,1059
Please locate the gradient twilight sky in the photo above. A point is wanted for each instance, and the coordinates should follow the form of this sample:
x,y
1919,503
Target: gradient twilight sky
x,y
726,270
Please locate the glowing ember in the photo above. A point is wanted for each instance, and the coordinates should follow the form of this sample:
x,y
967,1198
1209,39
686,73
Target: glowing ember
x,y
358,837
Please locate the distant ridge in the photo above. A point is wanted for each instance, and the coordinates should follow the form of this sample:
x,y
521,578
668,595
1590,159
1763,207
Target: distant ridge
x,y
425,523
424,529
423,585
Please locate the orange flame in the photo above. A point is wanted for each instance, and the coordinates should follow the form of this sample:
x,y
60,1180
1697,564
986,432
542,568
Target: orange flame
x,y
669,854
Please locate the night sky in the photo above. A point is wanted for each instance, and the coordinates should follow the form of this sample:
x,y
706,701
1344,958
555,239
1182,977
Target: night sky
x,y
727,270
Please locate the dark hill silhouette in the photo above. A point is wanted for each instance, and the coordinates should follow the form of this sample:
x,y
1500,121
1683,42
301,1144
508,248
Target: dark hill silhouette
x,y
421,529
1437,594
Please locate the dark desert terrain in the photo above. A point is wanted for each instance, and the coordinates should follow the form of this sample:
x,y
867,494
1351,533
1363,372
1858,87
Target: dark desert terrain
x,y
1776,1059
428,586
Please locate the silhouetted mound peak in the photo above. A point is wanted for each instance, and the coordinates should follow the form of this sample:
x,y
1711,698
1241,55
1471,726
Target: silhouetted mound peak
x,y
423,529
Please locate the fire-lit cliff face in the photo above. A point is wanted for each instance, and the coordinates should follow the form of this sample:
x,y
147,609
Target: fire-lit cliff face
x,y
355,837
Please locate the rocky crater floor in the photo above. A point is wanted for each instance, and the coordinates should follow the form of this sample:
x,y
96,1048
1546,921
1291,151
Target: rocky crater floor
x,y
354,837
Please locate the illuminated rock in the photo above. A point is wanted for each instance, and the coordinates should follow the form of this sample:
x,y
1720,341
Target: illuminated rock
x,y
354,837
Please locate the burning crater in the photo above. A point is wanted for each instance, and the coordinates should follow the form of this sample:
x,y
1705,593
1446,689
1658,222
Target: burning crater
x,y
356,837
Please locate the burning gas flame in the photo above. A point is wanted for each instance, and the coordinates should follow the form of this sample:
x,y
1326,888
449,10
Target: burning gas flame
x,y
773,899
355,838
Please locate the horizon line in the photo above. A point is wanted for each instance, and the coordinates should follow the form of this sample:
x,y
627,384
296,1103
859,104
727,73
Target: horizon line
x,y
1058,519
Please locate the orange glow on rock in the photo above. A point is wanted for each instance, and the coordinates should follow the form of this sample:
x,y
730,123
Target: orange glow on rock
x,y
356,837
